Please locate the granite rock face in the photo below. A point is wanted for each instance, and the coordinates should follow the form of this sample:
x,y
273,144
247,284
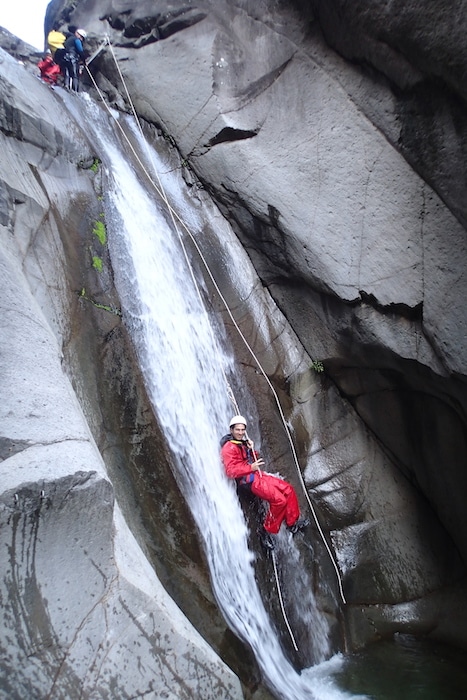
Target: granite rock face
x,y
351,219
332,137
345,182
78,595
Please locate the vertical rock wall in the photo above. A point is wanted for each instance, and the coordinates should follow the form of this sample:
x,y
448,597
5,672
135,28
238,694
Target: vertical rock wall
x,y
352,216
78,595
355,228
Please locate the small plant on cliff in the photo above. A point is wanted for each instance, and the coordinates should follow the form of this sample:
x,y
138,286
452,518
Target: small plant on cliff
x,y
111,309
97,263
100,231
95,165
317,366
90,165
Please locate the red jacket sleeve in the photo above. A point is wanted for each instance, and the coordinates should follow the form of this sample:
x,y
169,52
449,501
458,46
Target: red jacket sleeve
x,y
235,461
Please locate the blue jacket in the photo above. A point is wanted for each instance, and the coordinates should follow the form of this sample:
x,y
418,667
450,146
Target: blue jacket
x,y
74,45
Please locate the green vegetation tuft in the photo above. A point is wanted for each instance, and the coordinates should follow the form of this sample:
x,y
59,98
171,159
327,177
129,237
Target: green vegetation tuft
x,y
111,309
95,165
99,230
97,263
317,365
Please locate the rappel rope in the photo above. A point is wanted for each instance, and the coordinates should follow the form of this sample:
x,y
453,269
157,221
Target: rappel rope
x,y
175,217
279,592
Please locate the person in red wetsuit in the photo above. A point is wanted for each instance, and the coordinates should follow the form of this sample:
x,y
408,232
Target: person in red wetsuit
x,y
242,463
49,69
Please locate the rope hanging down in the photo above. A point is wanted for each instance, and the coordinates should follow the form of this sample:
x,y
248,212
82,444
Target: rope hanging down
x,y
174,215
176,218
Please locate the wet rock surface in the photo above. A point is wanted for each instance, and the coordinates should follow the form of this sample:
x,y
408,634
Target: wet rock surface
x,y
333,140
78,593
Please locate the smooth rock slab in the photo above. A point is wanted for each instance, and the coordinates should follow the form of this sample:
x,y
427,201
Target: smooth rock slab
x,y
72,624
82,613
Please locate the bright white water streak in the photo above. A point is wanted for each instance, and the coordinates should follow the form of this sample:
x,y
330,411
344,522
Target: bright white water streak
x,y
181,365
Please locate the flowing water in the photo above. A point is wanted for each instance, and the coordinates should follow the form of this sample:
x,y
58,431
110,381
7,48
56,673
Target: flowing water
x,y
184,358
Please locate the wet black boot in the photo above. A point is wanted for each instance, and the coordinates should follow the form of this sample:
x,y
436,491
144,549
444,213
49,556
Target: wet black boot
x,y
298,526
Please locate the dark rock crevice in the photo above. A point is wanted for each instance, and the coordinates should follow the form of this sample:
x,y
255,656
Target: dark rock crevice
x,y
418,422
140,29
229,134
414,313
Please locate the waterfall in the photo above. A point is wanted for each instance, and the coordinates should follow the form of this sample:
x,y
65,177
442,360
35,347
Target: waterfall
x,y
183,360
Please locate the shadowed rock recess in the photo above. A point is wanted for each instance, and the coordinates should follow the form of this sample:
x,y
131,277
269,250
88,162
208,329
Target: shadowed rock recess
x,y
332,137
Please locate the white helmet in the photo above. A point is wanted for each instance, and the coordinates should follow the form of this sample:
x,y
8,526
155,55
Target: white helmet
x,y
237,419
82,32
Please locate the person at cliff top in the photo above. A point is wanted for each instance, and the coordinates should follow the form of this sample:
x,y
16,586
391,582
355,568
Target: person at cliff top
x,y
56,42
49,69
243,464
73,57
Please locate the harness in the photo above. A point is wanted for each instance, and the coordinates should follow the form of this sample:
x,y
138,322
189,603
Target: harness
x,y
246,480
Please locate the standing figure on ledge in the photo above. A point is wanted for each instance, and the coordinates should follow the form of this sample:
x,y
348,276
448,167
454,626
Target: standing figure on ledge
x,y
73,57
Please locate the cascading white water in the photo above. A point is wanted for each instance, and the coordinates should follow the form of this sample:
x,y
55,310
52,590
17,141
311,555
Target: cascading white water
x,y
182,365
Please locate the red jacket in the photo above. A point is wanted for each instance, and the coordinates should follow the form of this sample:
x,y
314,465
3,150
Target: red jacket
x,y
49,70
235,455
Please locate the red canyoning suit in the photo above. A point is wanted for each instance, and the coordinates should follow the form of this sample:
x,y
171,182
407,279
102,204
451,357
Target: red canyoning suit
x,y
49,70
281,496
